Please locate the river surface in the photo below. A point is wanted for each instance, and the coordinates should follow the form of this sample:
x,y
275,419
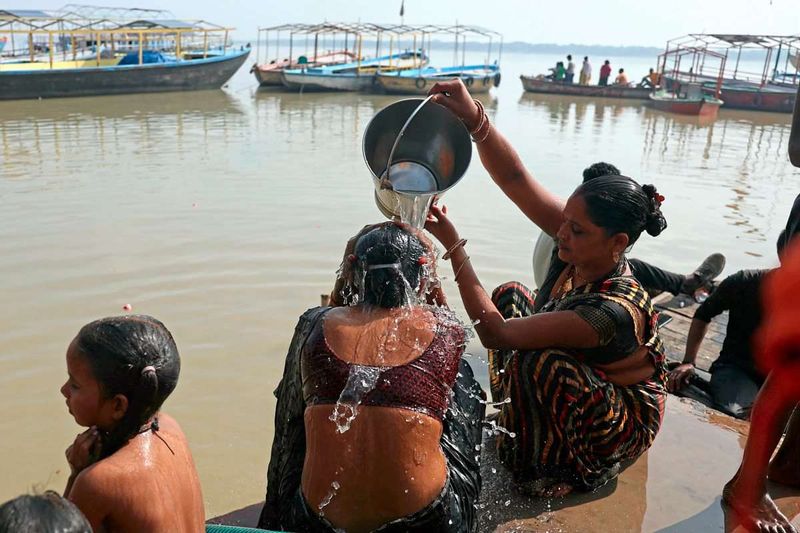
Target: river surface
x,y
225,214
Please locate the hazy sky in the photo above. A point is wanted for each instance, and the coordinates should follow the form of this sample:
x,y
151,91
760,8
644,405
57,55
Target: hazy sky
x,y
612,22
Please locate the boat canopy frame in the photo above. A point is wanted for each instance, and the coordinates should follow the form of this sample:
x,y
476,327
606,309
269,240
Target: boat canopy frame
x,y
69,28
723,43
394,32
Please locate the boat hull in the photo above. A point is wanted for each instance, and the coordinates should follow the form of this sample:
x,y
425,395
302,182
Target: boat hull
x,y
759,99
268,78
393,84
328,82
199,74
534,85
694,107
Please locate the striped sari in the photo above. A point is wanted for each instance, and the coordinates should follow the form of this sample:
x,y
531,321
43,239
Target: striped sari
x,y
570,423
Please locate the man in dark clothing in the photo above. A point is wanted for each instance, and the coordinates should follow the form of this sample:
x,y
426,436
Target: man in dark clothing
x,y
735,381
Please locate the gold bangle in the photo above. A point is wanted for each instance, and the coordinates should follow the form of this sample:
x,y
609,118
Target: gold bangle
x,y
464,262
448,253
482,119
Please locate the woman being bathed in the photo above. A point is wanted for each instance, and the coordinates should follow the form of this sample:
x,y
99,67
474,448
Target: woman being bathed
x,y
132,469
582,365
378,417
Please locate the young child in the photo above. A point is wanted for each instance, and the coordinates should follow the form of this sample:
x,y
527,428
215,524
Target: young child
x,y
132,469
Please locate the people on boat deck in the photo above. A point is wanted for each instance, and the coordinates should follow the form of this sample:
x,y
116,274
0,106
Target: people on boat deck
x,y
654,279
651,81
622,78
42,513
132,469
605,73
586,72
569,76
582,364
378,417
775,412
557,73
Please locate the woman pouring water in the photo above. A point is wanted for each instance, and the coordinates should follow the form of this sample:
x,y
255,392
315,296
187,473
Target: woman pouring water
x,y
581,362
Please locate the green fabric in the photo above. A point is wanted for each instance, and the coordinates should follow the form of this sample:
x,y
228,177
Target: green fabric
x,y
219,528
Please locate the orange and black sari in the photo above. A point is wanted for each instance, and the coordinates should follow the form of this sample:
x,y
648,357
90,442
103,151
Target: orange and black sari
x,y
567,421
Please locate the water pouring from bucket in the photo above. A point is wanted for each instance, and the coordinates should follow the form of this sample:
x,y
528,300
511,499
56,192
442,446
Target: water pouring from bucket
x,y
416,150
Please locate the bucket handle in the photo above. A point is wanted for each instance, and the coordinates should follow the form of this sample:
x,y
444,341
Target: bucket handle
x,y
385,183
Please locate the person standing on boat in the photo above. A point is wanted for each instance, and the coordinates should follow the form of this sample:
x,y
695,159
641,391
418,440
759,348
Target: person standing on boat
x,y
570,73
580,369
605,73
586,72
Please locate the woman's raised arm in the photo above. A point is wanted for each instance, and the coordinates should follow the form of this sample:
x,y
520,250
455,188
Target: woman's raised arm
x,y
501,160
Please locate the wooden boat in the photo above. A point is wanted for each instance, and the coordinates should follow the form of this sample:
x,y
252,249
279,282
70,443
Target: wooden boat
x,y
700,105
171,74
477,78
357,76
767,98
539,84
269,74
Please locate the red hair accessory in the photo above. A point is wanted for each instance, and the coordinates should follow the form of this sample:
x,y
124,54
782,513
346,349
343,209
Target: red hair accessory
x,y
351,258
423,260
660,198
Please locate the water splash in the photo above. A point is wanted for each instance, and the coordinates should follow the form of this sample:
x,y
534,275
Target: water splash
x,y
328,497
496,404
494,429
360,381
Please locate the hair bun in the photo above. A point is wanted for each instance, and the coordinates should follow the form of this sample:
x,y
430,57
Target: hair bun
x,y
655,223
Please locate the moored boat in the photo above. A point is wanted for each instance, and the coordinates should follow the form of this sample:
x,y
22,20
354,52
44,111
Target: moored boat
x,y
269,74
357,76
178,75
700,105
477,78
539,84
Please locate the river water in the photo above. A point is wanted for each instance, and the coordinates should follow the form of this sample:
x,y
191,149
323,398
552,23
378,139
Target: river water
x,y
225,214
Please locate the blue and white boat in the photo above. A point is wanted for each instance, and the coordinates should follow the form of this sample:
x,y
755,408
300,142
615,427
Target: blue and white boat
x,y
477,78
355,76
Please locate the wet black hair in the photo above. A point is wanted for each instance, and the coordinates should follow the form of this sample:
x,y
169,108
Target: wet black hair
x,y
569,56
119,350
620,205
600,169
385,245
42,513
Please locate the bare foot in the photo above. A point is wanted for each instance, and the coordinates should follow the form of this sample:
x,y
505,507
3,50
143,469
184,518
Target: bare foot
x,y
785,468
757,515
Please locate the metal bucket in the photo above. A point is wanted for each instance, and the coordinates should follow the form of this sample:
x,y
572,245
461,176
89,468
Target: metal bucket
x,y
429,159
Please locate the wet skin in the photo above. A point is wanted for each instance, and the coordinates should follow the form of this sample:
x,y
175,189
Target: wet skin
x,y
143,486
389,463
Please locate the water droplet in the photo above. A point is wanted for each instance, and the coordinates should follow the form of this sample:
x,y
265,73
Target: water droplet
x,y
494,470
508,502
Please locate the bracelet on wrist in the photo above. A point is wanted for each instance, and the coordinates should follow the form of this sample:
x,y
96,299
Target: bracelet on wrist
x,y
464,262
449,252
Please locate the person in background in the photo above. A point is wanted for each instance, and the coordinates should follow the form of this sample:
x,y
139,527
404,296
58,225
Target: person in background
x,y
132,469
605,73
586,72
42,513
622,78
651,81
775,412
570,72
378,416
557,73
735,380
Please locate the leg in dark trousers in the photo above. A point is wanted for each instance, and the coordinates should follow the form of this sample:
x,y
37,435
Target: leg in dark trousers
x,y
652,277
